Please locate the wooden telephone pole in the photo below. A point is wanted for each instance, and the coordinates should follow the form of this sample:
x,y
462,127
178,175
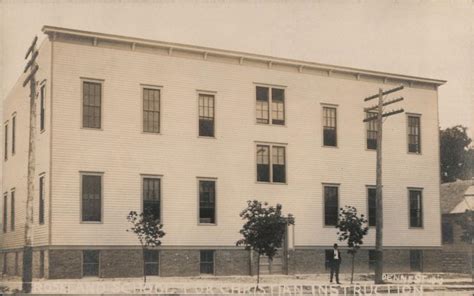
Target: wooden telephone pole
x,y
33,67
379,117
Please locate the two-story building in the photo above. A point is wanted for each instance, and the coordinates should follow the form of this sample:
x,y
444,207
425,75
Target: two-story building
x,y
190,134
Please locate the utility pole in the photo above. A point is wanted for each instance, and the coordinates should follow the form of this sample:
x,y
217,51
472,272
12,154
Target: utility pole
x,y
379,117
33,67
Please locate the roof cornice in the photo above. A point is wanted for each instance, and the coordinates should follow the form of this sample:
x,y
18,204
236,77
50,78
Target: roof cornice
x,y
242,56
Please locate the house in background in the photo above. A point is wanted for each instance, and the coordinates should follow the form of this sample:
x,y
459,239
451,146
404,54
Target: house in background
x,y
456,198
190,134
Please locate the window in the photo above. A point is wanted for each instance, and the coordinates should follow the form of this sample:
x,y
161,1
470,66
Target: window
x,y
151,262
90,262
152,197
16,263
12,210
5,212
273,168
206,115
207,262
41,200
327,258
416,208
416,260
5,258
372,204
331,205
91,198
329,126
207,201
42,106
277,114
414,134
371,131
5,156
41,264
447,232
372,259
13,134
91,105
151,110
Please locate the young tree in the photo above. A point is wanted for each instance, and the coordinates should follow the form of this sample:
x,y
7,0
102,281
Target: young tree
x,y
351,228
457,159
148,230
264,230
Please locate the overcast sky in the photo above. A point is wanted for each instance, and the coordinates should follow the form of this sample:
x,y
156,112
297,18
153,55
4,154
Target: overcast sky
x,y
432,39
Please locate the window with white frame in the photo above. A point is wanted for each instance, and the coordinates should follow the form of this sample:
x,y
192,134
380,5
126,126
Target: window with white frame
x,y
207,201
270,105
372,205
416,208
151,110
91,197
206,115
91,104
329,126
152,196
414,134
42,106
271,163
371,131
41,200
331,204
12,210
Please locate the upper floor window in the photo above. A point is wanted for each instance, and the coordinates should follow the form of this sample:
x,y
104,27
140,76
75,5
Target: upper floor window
x,y
331,204
41,200
414,134
91,104
5,150
277,97
329,126
371,131
5,211
416,208
271,168
372,205
151,110
207,201
91,198
42,106
12,210
13,134
206,115
152,197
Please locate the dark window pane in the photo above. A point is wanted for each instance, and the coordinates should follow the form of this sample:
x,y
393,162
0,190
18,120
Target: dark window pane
x,y
327,258
263,163
372,259
262,104
371,131
414,134
151,262
5,212
416,218
152,197
416,260
329,126
41,200
42,107
91,105
207,202
90,262
12,211
278,164
13,134
207,262
91,197
372,201
5,150
206,115
41,275
278,106
331,205
151,110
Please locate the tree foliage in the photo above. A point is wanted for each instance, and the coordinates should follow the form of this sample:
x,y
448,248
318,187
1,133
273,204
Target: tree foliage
x,y
457,159
148,231
264,230
352,228
466,221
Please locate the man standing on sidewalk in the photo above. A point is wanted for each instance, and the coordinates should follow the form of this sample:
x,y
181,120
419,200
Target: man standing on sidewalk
x,y
335,263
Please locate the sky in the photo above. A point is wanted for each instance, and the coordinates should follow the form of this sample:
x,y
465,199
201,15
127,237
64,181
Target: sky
x,y
432,39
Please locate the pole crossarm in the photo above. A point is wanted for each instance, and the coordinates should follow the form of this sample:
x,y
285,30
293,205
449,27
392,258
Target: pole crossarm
x,y
32,47
385,93
384,104
31,75
31,62
384,115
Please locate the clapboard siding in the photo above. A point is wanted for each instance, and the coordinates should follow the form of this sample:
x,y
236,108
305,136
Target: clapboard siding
x,y
122,152
15,169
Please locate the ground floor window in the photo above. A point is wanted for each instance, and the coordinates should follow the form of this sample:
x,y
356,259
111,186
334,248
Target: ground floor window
x,y
152,258
372,259
41,265
416,260
90,262
4,271
16,263
328,257
207,261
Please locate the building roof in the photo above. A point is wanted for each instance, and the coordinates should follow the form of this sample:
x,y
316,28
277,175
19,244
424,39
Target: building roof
x,y
453,196
205,51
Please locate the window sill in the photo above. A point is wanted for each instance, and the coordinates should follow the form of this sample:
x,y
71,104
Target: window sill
x,y
414,153
271,183
91,222
333,147
42,131
269,124
207,224
207,137
151,133
92,129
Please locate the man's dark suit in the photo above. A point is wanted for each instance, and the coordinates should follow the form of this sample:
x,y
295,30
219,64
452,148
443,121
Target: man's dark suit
x,y
334,264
